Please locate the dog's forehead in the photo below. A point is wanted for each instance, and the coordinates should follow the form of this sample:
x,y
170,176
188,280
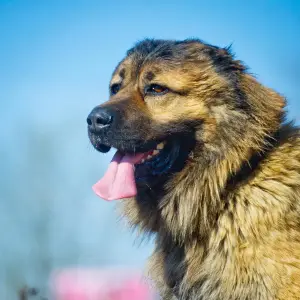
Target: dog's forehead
x,y
157,52
131,69
124,70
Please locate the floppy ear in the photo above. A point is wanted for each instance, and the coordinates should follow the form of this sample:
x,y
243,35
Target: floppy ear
x,y
223,59
266,105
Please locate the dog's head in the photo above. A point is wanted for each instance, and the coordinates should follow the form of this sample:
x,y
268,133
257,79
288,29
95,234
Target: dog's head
x,y
171,102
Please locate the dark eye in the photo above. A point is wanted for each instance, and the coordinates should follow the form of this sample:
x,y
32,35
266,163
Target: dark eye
x,y
115,88
155,89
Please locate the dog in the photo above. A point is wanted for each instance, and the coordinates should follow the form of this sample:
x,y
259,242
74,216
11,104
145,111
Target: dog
x,y
209,166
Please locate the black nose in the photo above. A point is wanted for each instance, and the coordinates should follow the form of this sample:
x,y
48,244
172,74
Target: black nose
x,y
99,118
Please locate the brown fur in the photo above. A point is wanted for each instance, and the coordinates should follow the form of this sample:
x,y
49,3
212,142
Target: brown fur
x,y
227,226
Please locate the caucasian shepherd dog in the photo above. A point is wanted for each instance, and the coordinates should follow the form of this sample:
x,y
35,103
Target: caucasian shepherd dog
x,y
210,168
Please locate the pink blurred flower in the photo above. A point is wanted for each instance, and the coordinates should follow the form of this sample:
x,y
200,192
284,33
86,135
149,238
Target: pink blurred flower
x,y
102,284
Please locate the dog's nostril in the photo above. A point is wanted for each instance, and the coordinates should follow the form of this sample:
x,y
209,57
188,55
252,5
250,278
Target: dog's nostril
x,y
104,120
109,119
89,121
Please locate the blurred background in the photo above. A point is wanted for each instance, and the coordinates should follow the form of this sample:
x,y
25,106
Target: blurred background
x,y
56,58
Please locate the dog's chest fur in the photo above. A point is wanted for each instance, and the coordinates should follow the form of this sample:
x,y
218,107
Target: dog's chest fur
x,y
248,247
229,266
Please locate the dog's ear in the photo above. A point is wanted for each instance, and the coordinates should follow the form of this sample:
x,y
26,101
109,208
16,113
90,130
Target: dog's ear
x,y
224,59
266,105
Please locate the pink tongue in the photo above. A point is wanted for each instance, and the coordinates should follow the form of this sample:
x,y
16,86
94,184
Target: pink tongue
x,y
118,182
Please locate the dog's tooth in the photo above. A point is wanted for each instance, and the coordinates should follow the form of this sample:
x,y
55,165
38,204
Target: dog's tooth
x,y
142,161
160,146
149,156
155,152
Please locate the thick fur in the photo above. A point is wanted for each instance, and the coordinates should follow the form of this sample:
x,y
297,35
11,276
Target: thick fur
x,y
227,226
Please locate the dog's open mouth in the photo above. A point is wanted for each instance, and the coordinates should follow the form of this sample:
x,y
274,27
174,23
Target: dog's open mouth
x,y
126,170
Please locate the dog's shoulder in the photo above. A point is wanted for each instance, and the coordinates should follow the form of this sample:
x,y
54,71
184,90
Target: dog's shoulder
x,y
281,165
261,224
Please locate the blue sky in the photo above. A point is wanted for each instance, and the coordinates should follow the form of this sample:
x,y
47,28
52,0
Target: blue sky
x,y
56,58
56,54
